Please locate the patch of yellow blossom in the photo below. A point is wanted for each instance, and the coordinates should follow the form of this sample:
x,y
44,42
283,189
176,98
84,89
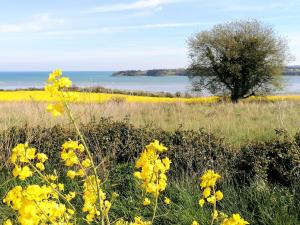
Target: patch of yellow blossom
x,y
235,219
146,201
137,221
167,201
90,197
38,205
153,170
23,158
56,85
211,195
195,223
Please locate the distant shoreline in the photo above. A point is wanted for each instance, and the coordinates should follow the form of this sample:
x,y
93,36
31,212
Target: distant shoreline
x,y
288,71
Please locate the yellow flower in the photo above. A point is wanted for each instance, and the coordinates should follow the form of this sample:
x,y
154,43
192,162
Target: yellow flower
x,y
206,192
219,195
167,201
235,219
54,75
61,187
86,163
71,195
212,200
40,166
167,162
115,195
24,173
7,222
152,169
32,202
201,202
64,82
71,211
42,157
215,214
56,109
16,171
51,177
30,153
156,146
70,157
209,179
71,174
80,173
146,202
195,223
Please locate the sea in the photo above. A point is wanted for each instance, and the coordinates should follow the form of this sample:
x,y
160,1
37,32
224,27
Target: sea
x,y
171,84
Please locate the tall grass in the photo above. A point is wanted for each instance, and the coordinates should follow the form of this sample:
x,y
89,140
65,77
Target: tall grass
x,y
238,123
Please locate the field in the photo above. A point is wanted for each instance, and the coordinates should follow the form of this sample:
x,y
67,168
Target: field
x,y
231,134
237,123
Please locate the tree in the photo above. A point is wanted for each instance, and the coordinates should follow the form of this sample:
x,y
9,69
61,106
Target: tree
x,y
240,58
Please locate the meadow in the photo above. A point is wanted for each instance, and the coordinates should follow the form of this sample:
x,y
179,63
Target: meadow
x,y
254,146
239,124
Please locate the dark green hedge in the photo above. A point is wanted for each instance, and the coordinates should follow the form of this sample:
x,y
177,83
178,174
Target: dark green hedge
x,y
191,152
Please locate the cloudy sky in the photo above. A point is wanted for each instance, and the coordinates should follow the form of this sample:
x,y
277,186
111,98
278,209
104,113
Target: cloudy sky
x,y
124,34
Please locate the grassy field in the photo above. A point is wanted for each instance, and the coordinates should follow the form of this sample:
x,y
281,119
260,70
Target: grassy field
x,y
259,200
239,123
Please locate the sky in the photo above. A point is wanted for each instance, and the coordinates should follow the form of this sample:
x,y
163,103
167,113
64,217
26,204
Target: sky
x,y
110,35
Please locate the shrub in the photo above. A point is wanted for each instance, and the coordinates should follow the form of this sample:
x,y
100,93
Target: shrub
x,y
277,161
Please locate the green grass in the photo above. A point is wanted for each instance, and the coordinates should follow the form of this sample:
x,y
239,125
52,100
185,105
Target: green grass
x,y
238,123
259,203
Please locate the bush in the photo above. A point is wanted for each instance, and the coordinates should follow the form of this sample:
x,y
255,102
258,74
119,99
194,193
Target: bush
x,y
277,161
191,152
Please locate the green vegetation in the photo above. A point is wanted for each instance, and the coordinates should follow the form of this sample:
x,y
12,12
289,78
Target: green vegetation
x,y
239,124
240,58
261,181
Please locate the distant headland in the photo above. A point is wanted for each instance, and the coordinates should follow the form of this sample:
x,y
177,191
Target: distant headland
x,y
288,71
152,73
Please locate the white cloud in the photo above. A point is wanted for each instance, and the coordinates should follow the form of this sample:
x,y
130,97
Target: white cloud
x,y
37,23
137,5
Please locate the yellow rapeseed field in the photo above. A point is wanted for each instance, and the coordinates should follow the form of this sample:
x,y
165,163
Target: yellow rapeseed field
x,y
84,97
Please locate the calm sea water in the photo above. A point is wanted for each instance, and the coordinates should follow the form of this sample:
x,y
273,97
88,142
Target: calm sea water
x,y
14,80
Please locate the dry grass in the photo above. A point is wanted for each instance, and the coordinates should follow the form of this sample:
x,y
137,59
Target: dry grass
x,y
238,123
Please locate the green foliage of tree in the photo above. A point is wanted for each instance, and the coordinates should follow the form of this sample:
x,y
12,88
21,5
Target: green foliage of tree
x,y
240,58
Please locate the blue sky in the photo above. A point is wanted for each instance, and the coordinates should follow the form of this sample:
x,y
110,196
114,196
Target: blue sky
x,y
124,34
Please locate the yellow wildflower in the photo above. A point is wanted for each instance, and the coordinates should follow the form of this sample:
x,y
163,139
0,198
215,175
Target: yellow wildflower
x,y
219,195
195,223
61,187
86,163
42,157
40,166
56,109
7,222
167,201
24,173
64,82
212,200
201,202
209,179
235,219
71,174
152,168
215,214
206,192
71,195
146,202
